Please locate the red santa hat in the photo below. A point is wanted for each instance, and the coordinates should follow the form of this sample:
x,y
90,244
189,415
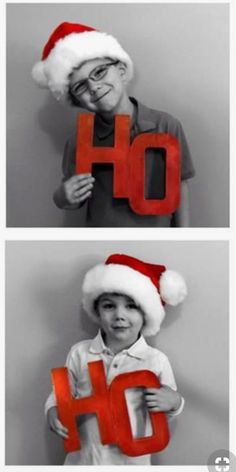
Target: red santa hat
x,y
68,47
151,286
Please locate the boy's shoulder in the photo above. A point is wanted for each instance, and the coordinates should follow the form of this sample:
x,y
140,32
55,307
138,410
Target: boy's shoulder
x,y
154,353
159,118
81,346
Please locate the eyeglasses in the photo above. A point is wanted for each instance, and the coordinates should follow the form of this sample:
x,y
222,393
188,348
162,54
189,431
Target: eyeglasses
x,y
97,74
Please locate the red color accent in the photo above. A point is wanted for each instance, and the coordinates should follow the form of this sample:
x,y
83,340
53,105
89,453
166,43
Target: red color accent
x,y
69,408
137,200
110,406
87,154
153,271
64,29
129,163
129,445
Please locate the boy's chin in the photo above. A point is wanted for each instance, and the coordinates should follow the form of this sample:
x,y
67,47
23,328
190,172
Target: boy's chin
x,y
106,107
125,335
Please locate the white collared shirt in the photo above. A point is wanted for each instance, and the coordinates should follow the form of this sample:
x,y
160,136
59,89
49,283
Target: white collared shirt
x,y
138,357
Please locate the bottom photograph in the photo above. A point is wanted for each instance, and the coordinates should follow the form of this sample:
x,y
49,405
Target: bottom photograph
x,y
117,352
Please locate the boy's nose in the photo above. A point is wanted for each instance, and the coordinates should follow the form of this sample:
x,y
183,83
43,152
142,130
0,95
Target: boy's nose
x,y
93,86
120,313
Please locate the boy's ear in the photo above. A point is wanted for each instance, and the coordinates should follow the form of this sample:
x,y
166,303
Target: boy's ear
x,y
122,70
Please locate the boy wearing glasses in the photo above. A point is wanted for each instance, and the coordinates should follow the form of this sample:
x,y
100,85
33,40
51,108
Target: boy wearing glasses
x,y
90,69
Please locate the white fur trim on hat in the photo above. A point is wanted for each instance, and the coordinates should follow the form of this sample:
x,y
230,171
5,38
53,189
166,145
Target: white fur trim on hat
x,y
122,279
70,52
173,288
38,74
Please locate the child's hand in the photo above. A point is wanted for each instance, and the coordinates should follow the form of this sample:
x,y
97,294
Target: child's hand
x,y
55,424
78,188
162,399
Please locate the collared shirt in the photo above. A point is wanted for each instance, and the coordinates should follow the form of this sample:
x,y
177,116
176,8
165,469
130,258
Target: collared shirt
x,y
102,209
138,357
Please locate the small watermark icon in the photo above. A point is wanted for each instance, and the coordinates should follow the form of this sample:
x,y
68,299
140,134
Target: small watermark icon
x,y
222,461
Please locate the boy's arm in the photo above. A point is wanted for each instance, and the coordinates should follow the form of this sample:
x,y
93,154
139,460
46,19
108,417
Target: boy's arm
x,y
181,216
168,395
177,411
71,366
74,192
60,200
50,408
74,189
164,399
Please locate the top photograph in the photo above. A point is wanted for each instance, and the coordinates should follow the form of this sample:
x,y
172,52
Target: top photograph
x,y
118,115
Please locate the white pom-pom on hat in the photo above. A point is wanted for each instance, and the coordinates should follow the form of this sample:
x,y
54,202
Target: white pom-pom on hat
x,y
38,74
173,289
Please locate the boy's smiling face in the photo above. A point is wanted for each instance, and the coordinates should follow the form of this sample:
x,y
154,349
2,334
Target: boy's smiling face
x,y
99,85
121,319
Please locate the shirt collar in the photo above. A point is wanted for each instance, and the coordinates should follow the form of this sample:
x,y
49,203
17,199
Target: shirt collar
x,y
97,345
145,121
138,349
142,119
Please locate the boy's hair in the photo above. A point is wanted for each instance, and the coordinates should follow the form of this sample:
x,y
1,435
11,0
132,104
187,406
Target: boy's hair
x,y
117,294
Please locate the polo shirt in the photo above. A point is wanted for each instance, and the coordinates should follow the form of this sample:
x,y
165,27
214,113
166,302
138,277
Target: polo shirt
x,y
102,209
139,356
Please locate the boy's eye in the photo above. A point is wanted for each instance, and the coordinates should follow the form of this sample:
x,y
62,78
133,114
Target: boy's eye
x,y
79,87
108,306
132,306
99,73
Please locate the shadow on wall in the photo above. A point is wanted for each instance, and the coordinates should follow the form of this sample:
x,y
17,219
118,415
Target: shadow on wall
x,y
58,121
63,324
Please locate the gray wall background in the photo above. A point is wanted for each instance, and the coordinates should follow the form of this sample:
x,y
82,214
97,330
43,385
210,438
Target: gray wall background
x,y
43,320
181,57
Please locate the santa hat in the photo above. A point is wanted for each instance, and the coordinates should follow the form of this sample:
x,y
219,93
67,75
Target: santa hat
x,y
149,285
68,47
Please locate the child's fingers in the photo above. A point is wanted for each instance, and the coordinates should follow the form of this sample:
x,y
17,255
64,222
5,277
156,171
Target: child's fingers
x,y
62,433
82,183
158,393
154,409
58,424
151,400
60,429
79,177
151,396
85,196
81,191
151,390
77,193
152,404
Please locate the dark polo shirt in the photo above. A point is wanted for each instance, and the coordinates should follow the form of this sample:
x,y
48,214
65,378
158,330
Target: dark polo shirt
x,y
102,209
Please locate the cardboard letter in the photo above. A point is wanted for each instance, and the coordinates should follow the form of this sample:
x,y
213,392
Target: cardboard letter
x,y
87,154
129,445
69,408
137,200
